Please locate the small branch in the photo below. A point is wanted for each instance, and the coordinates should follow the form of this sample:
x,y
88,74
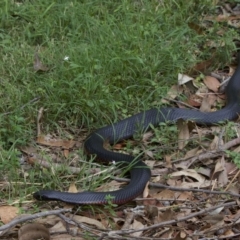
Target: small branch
x,y
230,184
40,114
31,217
193,190
175,221
180,102
76,223
231,143
212,154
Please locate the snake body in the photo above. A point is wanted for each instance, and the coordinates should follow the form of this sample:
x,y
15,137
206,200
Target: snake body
x,y
124,129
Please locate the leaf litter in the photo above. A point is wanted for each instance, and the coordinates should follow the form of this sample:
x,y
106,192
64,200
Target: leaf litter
x,y
191,205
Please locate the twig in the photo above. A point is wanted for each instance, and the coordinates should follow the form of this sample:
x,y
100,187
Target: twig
x,y
216,227
180,102
193,190
39,117
236,175
76,223
179,189
208,154
215,153
175,221
31,217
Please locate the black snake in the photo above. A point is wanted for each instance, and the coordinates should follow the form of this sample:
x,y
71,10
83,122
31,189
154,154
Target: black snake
x,y
124,129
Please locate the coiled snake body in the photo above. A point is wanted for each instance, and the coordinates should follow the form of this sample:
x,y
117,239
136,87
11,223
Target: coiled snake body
x,y
140,173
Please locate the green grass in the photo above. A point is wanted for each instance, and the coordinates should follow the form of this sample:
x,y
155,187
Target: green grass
x,y
123,56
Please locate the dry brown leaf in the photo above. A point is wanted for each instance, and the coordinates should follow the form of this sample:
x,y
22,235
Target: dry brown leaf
x,y
149,154
220,172
165,195
8,213
117,146
45,140
146,136
189,173
183,134
146,191
151,211
237,149
200,180
207,103
212,83
168,161
192,152
183,235
214,219
72,188
216,142
202,66
38,65
150,163
223,18
66,153
199,29
58,227
182,79
173,92
219,167
129,217
205,171
135,226
169,214
155,179
87,220
50,220
230,167
194,100
33,231
228,233
185,196
167,233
